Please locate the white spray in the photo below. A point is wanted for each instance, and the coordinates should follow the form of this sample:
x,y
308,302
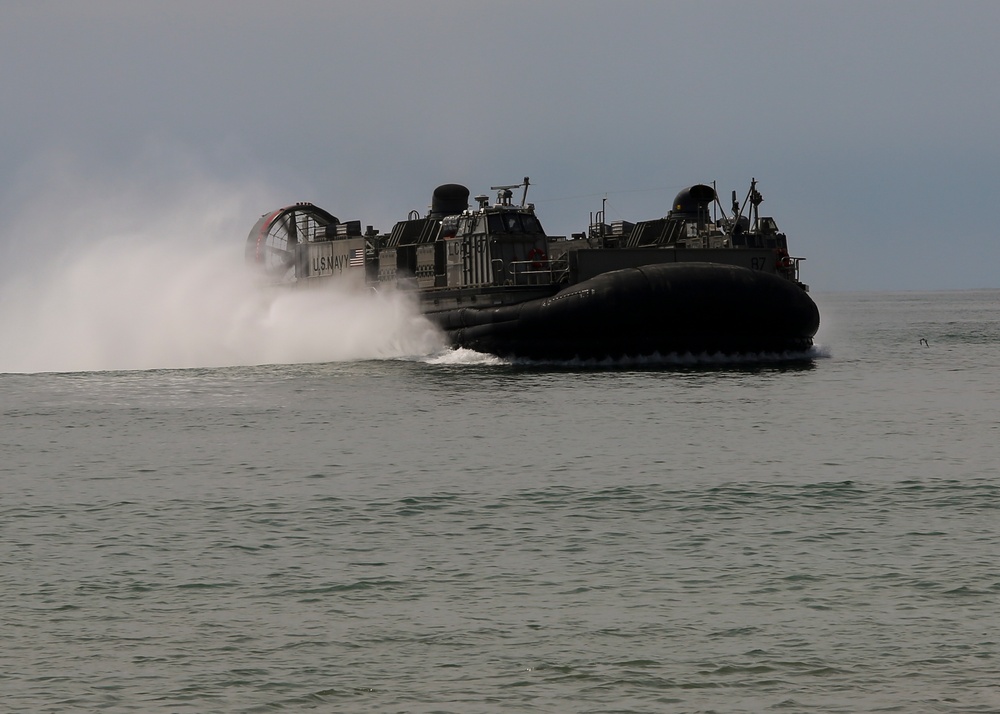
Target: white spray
x,y
112,277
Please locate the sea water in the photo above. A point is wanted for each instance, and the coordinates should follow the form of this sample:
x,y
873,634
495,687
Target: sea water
x,y
414,529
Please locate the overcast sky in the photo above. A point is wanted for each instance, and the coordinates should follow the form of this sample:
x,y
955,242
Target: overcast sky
x,y
873,128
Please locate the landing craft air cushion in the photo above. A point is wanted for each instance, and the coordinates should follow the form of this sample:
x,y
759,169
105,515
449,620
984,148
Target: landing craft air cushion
x,y
694,281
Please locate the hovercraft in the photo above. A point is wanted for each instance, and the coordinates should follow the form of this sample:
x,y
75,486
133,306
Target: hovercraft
x,y
695,281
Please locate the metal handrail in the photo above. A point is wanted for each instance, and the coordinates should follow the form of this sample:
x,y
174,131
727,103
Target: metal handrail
x,y
555,270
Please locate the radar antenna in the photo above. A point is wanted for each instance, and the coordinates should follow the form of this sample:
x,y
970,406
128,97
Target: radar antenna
x,y
753,198
506,192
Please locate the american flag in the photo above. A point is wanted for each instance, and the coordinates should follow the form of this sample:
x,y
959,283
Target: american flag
x,y
356,257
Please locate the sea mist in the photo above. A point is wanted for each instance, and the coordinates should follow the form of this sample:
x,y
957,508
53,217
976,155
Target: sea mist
x,y
103,275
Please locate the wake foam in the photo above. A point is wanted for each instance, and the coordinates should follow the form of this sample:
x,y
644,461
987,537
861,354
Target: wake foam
x,y
463,356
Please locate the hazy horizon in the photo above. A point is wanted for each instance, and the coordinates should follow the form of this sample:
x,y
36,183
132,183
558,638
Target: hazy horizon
x,y
869,129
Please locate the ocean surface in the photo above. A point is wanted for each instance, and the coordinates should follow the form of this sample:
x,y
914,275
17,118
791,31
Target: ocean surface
x,y
448,532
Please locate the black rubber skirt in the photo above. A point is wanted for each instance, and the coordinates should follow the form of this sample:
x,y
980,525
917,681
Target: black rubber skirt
x,y
655,309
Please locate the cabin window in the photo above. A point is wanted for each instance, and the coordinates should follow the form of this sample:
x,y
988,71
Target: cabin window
x,y
767,226
512,222
531,224
496,223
